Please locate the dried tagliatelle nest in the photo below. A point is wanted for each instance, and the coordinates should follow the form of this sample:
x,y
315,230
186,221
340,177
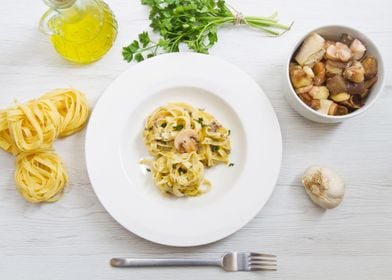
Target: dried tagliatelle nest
x,y
324,186
28,131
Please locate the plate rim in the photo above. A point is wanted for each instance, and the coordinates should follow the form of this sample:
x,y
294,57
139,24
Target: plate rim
x,y
279,151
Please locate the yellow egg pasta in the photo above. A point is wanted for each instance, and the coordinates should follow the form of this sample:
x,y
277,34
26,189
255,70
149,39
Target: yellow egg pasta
x,y
72,106
6,142
183,140
34,125
28,131
40,176
179,174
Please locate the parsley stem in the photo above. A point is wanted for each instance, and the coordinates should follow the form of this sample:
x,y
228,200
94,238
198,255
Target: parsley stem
x,y
220,21
263,28
264,23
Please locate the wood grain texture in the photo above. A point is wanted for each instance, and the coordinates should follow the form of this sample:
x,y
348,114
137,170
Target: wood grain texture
x,y
75,237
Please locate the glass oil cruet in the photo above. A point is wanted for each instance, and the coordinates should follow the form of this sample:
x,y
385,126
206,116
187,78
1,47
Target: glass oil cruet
x,y
81,31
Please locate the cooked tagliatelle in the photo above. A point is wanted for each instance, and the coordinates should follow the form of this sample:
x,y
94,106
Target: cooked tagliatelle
x,y
183,140
28,131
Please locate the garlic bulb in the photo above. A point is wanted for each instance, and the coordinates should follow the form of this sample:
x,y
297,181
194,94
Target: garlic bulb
x,y
324,186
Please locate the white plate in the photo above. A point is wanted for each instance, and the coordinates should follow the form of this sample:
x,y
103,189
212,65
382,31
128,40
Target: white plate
x,y
114,146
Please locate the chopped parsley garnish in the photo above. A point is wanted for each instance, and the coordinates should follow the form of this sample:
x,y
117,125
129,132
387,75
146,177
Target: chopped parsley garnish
x,y
228,132
178,127
148,169
214,148
164,125
200,121
231,164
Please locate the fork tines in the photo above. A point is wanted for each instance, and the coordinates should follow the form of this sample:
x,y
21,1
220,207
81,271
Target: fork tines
x,y
262,262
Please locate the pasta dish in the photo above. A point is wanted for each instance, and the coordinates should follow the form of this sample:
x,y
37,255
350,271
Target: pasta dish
x,y
183,140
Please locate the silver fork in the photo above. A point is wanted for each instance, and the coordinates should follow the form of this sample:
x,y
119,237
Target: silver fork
x,y
229,262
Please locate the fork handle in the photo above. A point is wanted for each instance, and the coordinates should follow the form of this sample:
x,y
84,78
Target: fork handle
x,y
130,262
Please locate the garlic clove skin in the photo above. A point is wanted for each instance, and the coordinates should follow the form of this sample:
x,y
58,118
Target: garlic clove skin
x,y
324,186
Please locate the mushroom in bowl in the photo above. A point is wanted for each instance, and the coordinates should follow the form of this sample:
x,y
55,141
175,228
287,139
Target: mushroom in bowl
x,y
333,74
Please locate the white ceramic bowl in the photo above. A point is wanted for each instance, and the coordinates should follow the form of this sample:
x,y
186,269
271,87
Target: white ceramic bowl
x,y
333,32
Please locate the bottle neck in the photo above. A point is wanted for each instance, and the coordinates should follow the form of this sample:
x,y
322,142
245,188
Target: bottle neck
x,y
59,4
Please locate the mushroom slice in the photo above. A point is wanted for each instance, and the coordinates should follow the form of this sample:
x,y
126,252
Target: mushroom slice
x,y
319,92
311,50
343,53
319,73
303,89
306,98
337,110
339,97
339,51
186,141
337,84
308,71
355,73
334,68
355,88
315,104
358,49
325,104
328,43
367,85
370,65
214,126
299,78
346,39
355,102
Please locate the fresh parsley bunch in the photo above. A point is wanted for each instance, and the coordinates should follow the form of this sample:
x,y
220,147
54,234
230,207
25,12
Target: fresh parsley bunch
x,y
191,22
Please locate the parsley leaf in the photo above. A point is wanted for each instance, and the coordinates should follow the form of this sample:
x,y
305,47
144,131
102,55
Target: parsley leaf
x,y
139,57
214,148
231,164
144,39
127,54
201,122
178,127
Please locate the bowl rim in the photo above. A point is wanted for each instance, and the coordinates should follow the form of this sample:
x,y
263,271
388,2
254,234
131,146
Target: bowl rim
x,y
380,70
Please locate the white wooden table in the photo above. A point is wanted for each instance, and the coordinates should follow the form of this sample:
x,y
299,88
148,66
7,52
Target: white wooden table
x,y
75,238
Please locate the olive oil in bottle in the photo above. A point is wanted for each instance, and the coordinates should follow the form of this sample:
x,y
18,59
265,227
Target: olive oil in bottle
x,y
81,31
